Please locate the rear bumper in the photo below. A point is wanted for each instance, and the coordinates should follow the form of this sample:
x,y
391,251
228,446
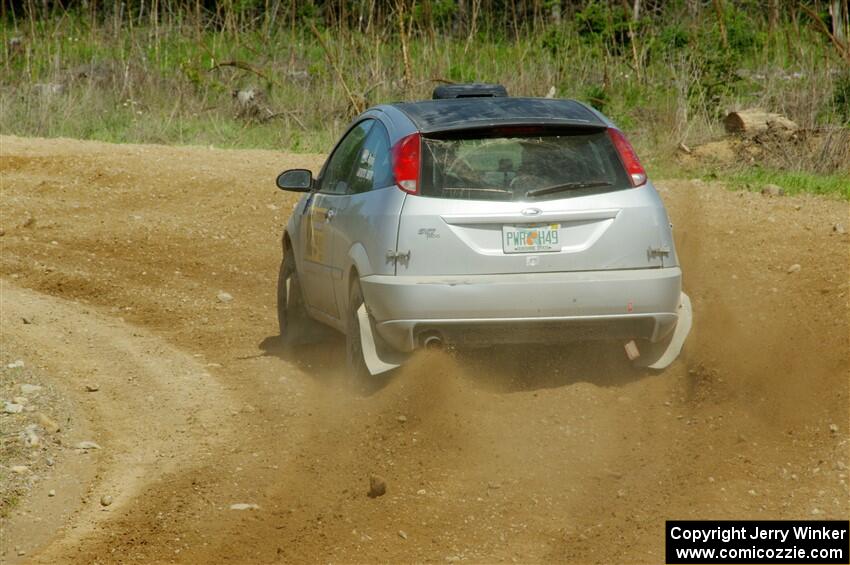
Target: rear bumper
x,y
524,308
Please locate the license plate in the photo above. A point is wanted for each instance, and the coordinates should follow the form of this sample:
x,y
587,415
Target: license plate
x,y
531,239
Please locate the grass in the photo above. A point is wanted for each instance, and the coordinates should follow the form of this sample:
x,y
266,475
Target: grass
x,y
122,79
793,182
755,178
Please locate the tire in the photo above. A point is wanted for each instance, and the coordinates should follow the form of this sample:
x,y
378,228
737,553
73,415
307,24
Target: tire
x,y
291,315
358,372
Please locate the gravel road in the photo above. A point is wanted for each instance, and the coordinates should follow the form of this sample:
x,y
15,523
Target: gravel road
x,y
215,446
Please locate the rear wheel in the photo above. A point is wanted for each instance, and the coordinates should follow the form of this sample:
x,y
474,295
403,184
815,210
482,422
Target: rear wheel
x,y
291,314
358,372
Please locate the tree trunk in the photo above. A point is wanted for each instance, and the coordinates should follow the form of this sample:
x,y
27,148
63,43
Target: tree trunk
x,y
836,10
718,7
846,22
773,15
751,122
460,17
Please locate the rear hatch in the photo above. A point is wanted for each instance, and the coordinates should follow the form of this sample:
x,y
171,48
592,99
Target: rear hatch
x,y
521,199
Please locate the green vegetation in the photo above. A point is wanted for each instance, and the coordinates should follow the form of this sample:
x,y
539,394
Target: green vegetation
x,y
290,75
792,182
755,178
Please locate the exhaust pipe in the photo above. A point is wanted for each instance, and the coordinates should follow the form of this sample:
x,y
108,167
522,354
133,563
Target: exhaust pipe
x,y
432,341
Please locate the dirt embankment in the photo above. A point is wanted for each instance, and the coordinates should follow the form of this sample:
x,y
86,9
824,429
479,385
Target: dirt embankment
x,y
534,454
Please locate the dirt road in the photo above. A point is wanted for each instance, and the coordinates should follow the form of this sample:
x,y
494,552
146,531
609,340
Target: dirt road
x,y
116,255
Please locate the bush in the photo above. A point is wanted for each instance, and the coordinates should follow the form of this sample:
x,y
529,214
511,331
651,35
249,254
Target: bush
x,y
716,79
554,41
440,13
672,38
742,33
600,23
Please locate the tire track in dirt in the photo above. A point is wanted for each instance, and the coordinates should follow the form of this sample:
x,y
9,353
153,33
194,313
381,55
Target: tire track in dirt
x,y
155,412
534,454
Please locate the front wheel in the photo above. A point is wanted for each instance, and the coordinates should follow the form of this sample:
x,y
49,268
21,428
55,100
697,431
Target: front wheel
x,y
291,314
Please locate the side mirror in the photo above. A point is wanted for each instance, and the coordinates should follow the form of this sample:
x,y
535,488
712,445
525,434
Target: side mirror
x,y
295,180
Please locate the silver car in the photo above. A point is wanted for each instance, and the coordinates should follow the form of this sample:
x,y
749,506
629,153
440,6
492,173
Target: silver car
x,y
478,219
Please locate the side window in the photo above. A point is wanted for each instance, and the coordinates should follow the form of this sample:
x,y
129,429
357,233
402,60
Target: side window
x,y
339,169
373,168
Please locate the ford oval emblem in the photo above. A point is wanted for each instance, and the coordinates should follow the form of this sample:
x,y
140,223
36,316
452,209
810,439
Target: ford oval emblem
x,y
532,212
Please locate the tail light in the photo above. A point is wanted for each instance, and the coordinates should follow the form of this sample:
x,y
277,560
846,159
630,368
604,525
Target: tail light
x,y
636,172
406,163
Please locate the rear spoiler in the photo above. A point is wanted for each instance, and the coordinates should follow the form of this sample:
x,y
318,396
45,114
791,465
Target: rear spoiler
x,y
519,125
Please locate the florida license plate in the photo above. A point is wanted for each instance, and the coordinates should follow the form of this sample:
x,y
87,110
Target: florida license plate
x,y
531,239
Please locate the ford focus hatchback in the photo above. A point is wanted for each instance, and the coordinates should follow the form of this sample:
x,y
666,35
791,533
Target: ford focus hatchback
x,y
478,219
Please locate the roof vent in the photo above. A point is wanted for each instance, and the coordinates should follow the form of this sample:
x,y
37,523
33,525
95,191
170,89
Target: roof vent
x,y
472,90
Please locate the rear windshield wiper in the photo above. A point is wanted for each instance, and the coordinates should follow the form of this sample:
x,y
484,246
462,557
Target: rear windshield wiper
x,y
567,186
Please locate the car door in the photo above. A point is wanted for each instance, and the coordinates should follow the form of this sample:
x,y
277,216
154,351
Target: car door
x,y
367,217
332,187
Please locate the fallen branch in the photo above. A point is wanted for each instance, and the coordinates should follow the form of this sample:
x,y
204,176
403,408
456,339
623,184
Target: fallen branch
x,y
843,50
369,90
284,113
245,67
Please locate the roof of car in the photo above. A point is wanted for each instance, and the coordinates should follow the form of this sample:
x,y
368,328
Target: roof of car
x,y
466,113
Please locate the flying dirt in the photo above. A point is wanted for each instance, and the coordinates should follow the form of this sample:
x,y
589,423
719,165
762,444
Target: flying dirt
x,y
151,270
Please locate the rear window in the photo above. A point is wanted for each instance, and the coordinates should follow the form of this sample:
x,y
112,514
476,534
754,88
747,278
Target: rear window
x,y
515,166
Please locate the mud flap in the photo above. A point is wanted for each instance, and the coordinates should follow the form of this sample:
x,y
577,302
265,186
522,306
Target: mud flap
x,y
377,362
663,358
